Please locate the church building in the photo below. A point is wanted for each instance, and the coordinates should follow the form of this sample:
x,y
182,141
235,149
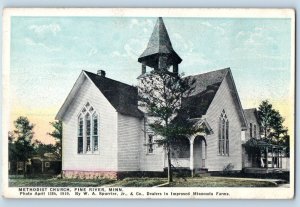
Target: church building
x,y
105,131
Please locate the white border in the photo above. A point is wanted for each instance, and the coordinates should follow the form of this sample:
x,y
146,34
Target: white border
x,y
235,193
153,12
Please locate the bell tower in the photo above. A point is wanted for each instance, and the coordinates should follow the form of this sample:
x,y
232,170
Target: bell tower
x,y
159,53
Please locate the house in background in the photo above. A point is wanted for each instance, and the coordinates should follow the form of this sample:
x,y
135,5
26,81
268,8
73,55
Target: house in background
x,y
270,158
105,132
47,164
253,132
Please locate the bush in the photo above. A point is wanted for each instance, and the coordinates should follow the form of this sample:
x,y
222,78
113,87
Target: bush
x,y
228,168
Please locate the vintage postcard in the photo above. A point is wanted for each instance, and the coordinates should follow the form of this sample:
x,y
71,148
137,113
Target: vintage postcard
x,y
148,103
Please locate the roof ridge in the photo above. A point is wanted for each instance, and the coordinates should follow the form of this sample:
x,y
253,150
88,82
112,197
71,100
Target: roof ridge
x,y
249,109
109,79
228,68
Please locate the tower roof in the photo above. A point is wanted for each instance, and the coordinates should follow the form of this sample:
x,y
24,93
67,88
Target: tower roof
x,y
159,45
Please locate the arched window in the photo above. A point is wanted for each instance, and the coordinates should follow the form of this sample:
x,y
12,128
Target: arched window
x,y
88,130
223,141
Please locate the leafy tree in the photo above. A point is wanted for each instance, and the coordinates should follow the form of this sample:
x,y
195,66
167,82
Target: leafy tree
x,y
23,135
20,141
271,121
265,115
12,154
57,135
286,143
161,96
271,125
40,149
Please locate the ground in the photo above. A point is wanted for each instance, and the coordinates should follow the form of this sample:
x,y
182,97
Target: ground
x,y
142,182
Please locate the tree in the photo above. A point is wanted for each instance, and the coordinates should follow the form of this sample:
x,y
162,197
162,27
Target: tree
x,y
23,138
265,115
12,154
57,135
271,124
161,95
40,149
20,141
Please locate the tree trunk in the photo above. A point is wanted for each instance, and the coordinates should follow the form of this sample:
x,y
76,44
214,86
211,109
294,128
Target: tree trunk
x,y
24,169
266,133
170,177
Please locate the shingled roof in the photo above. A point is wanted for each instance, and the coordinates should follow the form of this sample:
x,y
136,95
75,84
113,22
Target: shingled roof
x,y
123,97
159,43
205,87
251,115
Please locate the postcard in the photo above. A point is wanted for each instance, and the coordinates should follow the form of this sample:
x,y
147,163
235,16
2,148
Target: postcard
x,y
124,103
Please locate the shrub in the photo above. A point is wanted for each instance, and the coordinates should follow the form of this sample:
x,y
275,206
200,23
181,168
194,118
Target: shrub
x,y
228,168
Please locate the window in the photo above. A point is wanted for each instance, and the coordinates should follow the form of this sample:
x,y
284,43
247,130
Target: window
x,y
223,142
150,144
227,138
80,135
47,164
88,131
95,132
254,130
251,130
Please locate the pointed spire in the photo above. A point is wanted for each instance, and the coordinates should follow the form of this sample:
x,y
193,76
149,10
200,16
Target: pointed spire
x,y
159,53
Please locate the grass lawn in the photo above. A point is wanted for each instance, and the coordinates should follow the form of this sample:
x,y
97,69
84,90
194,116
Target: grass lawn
x,y
139,182
54,182
219,182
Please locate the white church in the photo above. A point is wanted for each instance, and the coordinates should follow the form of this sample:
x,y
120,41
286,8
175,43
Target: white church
x,y
105,132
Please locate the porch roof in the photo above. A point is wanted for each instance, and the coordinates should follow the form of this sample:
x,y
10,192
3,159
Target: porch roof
x,y
202,121
262,143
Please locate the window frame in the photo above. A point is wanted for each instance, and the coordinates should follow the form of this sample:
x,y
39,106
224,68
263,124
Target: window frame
x,y
79,122
88,142
148,144
223,136
87,111
47,164
93,135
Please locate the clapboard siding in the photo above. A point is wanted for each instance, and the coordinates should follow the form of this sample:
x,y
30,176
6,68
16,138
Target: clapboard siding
x,y
153,161
251,118
224,100
106,159
130,136
247,159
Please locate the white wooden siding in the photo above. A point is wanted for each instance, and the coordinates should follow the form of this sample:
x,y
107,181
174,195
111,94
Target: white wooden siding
x,y
130,137
106,159
224,100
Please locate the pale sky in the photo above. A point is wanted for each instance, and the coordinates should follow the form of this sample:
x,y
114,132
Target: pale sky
x,y
48,54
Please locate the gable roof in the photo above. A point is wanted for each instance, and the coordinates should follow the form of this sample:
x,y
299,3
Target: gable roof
x,y
251,114
123,97
204,88
204,80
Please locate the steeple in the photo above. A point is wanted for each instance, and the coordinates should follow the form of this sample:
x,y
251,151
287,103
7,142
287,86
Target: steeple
x,y
159,53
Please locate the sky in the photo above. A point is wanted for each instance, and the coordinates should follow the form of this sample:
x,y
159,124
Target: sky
x,y
48,54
